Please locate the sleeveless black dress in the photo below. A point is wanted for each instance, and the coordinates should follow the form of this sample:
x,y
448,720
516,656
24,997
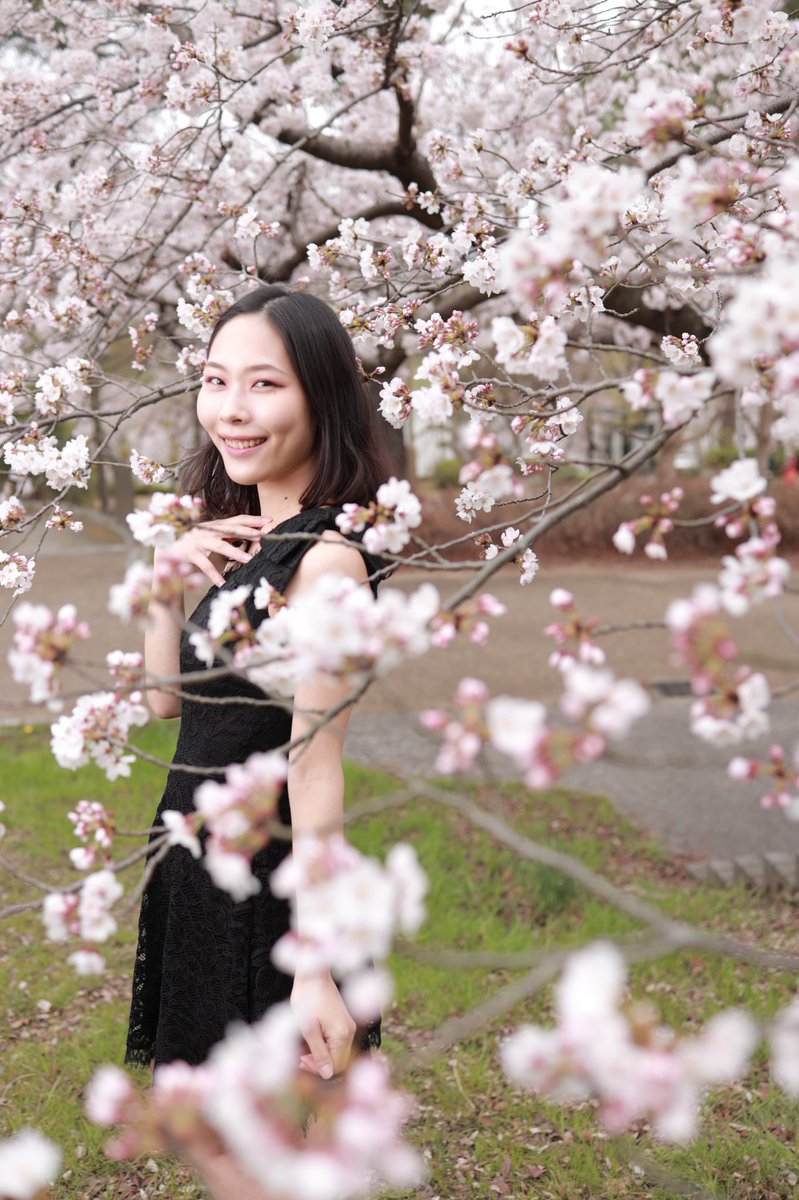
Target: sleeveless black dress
x,y
203,959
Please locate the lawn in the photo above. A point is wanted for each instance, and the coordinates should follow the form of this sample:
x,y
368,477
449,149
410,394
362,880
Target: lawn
x,y
481,1137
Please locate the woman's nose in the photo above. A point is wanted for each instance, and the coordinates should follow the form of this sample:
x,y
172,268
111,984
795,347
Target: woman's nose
x,y
234,404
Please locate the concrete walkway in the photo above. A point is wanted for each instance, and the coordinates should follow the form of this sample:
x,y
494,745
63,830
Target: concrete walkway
x,y
662,778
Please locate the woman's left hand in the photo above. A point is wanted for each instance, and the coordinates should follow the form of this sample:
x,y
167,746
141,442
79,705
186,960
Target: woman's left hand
x,y
325,1024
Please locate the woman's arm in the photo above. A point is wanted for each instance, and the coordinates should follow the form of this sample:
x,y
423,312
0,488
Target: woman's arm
x,y
316,796
316,779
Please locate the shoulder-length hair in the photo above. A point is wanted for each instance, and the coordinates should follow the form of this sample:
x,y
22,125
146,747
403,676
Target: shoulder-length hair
x,y
351,462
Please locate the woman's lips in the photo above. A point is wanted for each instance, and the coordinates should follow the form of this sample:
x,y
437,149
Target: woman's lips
x,y
241,446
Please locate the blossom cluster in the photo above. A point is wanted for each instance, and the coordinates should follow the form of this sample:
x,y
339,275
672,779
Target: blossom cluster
x,y
42,643
237,816
537,348
657,522
623,1054
573,634
63,518
598,705
165,519
468,618
733,703
97,730
753,573
146,470
85,914
542,269
782,775
543,435
94,823
488,475
37,453
526,560
228,625
442,392
12,513
56,384
388,520
250,1096
141,345
163,583
678,396
338,629
29,1163
16,572
346,908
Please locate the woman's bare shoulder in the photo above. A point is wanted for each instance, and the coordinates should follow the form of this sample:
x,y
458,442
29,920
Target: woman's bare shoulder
x,y
333,553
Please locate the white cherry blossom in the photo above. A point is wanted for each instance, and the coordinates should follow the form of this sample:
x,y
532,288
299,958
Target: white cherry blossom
x,y
29,1162
740,482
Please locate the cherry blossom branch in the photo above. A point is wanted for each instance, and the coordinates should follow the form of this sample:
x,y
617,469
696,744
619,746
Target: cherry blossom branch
x,y
158,846
613,477
457,1029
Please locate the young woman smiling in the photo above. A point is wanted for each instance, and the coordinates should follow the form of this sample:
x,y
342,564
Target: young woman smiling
x,y
290,439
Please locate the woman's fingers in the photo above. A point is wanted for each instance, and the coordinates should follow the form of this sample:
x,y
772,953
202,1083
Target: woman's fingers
x,y
320,1056
218,545
307,1064
340,1047
200,547
242,526
325,1023
330,1046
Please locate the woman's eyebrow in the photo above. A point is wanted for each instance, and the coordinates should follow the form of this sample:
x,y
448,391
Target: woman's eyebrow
x,y
255,367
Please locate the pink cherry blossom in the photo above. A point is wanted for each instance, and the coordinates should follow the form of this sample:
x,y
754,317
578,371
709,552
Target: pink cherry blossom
x,y
16,571
181,831
146,470
166,517
622,1054
739,482
237,816
97,729
108,1096
784,1037
86,962
42,644
387,521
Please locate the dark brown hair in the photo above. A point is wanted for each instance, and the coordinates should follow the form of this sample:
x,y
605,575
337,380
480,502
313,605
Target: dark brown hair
x,y
351,462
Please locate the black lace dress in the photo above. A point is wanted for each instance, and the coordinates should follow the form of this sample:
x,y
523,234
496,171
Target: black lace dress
x,y
204,960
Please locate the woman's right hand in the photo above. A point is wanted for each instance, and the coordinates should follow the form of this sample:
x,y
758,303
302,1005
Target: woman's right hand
x,y
209,548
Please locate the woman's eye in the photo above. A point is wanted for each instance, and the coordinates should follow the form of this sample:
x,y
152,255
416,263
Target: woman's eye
x,y
213,379
264,383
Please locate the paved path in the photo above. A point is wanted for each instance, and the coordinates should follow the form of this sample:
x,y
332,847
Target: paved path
x,y
661,777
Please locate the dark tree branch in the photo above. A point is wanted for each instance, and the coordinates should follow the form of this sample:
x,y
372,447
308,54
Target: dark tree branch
x,y
402,160
625,303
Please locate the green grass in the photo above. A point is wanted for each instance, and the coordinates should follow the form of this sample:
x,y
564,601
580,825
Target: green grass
x,y
481,1137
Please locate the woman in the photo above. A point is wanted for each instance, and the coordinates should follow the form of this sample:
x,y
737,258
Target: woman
x,y
290,439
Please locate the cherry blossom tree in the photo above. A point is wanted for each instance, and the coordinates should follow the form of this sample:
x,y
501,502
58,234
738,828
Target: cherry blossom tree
x,y
522,215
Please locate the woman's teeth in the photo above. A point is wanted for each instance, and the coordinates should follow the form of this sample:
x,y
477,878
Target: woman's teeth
x,y
242,443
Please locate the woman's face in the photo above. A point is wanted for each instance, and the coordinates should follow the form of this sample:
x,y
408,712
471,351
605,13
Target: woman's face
x,y
253,408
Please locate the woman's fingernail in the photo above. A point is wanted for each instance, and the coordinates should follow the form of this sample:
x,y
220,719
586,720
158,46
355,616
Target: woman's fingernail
x,y
327,1071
